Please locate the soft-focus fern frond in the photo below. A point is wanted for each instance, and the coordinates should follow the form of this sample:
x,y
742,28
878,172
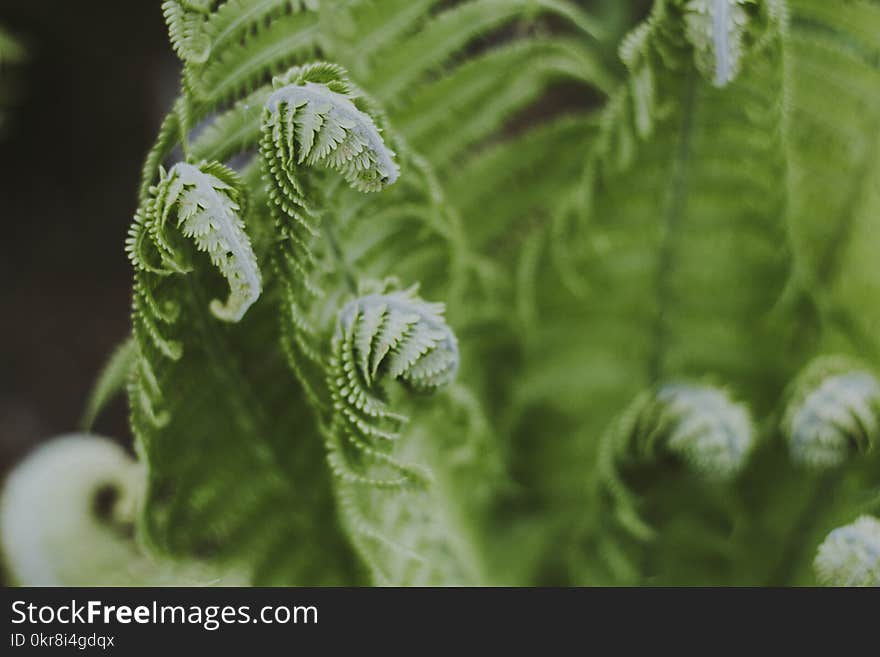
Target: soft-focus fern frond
x,y
231,48
473,101
400,66
670,152
850,556
200,501
834,63
834,410
236,20
68,519
186,28
394,335
699,424
709,431
391,484
717,28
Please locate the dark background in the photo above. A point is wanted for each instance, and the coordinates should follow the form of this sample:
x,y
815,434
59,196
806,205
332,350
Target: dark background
x,y
99,77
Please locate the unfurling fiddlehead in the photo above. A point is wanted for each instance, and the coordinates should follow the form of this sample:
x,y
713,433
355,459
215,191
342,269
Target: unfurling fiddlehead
x,y
392,488
850,555
378,336
315,118
834,410
700,424
205,204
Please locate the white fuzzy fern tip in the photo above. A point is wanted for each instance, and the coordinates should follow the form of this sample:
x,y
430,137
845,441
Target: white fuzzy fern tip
x,y
709,430
850,555
399,335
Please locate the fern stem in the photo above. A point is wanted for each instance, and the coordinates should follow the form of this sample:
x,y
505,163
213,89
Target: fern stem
x,y
338,257
674,207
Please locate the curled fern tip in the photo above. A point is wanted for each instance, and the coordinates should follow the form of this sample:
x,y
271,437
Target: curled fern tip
x,y
850,555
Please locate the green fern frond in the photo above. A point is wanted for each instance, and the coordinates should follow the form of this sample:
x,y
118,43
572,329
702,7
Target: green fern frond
x,y
472,102
314,119
637,258
199,501
358,30
236,20
670,151
699,425
834,62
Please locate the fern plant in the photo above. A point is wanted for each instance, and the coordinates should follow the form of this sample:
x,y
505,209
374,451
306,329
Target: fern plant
x,y
400,316
12,54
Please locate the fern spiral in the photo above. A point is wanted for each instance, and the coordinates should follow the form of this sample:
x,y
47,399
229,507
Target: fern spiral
x,y
68,515
834,410
396,336
850,555
205,204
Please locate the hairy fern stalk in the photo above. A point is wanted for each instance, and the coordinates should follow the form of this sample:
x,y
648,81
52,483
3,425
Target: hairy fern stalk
x,y
396,321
